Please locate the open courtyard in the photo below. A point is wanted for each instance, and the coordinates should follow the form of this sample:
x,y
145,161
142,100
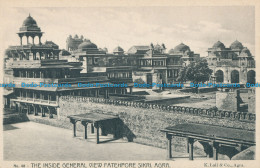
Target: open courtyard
x,y
30,141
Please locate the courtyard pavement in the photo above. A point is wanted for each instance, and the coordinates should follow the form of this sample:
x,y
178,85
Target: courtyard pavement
x,y
30,141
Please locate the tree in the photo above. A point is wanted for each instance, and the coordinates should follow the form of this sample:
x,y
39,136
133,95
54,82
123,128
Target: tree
x,y
182,75
195,72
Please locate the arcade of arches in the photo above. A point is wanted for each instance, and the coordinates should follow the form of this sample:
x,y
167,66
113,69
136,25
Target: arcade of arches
x,y
235,76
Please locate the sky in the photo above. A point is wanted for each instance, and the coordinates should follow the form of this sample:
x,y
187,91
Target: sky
x,y
197,27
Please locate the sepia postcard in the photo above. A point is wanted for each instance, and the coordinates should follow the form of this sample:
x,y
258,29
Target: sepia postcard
x,y
129,84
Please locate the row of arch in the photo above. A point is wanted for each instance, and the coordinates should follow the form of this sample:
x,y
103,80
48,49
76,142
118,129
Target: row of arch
x,y
30,39
235,76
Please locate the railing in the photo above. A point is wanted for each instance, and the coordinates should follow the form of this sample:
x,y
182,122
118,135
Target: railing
x,y
19,81
228,63
31,100
125,80
241,116
83,79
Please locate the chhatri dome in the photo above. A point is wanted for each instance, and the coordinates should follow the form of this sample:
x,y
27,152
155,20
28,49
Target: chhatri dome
x,y
236,45
219,45
87,44
29,29
29,22
180,48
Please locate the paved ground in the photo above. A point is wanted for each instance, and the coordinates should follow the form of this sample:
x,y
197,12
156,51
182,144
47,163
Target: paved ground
x,y
31,141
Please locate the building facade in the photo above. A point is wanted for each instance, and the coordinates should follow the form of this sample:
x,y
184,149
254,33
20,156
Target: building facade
x,y
234,64
141,64
41,77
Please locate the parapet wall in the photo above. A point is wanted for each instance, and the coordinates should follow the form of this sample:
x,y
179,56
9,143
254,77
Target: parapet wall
x,y
143,121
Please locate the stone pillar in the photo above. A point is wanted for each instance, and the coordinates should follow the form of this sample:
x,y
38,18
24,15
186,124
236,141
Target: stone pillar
x,y
21,40
92,128
215,150
191,142
40,40
35,110
85,124
50,112
41,74
74,127
131,90
169,146
43,111
27,39
48,99
28,109
97,92
106,94
123,91
33,40
97,129
188,145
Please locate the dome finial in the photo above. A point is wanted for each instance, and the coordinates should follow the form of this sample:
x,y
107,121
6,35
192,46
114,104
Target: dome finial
x,y
29,15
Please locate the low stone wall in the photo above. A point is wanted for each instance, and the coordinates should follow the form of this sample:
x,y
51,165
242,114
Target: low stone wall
x,y
15,118
142,121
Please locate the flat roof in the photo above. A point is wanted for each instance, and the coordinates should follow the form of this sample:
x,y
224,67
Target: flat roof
x,y
92,117
213,132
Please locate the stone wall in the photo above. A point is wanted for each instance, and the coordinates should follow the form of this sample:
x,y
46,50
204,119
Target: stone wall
x,y
251,101
142,122
227,100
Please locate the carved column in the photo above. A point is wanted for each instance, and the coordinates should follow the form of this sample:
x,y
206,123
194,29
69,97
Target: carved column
x,y
40,40
169,147
215,150
191,142
97,129
27,39
85,124
33,40
74,122
92,128
21,40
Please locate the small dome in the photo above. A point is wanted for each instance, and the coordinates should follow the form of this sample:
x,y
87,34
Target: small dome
x,y
181,48
245,52
118,50
171,51
219,45
64,53
236,45
87,44
29,21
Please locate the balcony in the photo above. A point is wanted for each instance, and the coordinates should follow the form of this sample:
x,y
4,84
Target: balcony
x,y
18,81
35,101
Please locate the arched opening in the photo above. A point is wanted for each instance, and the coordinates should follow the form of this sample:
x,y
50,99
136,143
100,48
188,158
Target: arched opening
x,y
234,76
36,40
24,40
219,76
251,76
